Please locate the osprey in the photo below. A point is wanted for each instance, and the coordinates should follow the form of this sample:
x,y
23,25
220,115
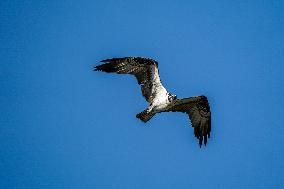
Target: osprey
x,y
160,100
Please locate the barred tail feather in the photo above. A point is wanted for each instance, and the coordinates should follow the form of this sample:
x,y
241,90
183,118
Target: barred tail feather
x,y
145,116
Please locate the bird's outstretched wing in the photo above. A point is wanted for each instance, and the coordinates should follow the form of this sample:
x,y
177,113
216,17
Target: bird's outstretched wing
x,y
198,110
144,69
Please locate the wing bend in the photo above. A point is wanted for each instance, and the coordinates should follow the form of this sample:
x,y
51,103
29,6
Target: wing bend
x,y
144,69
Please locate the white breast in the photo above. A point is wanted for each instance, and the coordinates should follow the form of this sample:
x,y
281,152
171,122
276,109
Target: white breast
x,y
161,99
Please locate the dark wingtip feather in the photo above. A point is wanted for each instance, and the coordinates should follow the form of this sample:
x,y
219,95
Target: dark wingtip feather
x,y
107,67
200,140
96,68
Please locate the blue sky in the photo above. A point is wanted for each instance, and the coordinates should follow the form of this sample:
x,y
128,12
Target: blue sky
x,y
65,126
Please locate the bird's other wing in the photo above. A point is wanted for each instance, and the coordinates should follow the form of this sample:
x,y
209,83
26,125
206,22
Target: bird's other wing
x,y
198,110
144,69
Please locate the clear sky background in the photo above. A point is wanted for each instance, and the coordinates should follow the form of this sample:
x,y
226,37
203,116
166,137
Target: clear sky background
x,y
65,126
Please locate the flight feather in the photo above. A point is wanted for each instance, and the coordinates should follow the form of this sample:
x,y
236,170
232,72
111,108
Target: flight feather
x,y
144,69
198,110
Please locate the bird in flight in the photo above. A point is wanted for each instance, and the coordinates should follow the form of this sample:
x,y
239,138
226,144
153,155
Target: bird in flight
x,y
160,100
